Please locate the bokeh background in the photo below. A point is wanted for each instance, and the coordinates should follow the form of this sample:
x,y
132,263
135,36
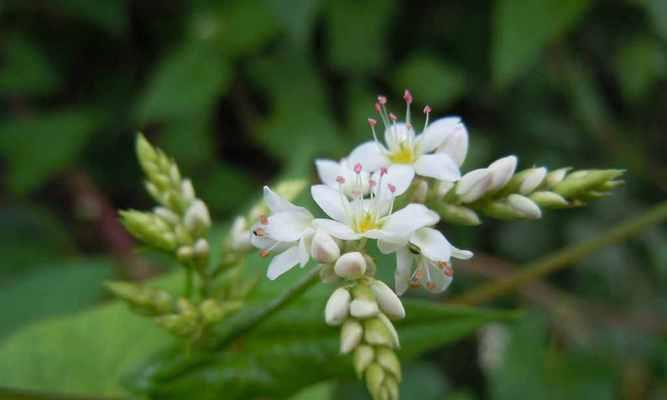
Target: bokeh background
x,y
242,92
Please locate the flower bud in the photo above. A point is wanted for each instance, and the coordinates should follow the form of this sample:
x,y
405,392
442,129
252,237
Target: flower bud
x,y
420,191
388,301
212,311
361,308
374,378
188,191
549,199
197,219
350,335
185,253
473,185
524,206
324,248
350,265
327,274
177,324
457,214
370,265
239,235
376,333
532,179
456,143
391,329
167,215
363,357
389,361
555,177
442,188
200,249
501,172
338,307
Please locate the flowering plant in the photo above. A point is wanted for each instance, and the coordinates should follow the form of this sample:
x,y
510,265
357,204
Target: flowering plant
x,y
391,194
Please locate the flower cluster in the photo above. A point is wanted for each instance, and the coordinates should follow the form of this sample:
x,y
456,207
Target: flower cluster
x,y
395,191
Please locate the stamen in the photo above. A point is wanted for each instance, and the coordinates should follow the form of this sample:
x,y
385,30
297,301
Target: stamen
x,y
393,117
391,187
264,220
371,183
259,232
357,168
427,111
382,100
407,96
372,122
340,179
430,285
264,253
383,171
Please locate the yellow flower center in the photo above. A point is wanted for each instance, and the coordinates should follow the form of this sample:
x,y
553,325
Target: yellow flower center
x,y
403,155
366,223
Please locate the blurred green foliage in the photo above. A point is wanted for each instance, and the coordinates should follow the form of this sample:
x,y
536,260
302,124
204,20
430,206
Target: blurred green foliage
x,y
241,92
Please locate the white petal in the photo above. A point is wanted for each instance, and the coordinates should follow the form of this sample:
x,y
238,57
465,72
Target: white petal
x,y
389,247
328,171
404,261
304,244
369,155
473,185
502,171
532,180
437,133
432,278
461,254
283,262
336,229
288,226
455,145
432,243
438,166
400,176
525,206
408,219
330,200
278,204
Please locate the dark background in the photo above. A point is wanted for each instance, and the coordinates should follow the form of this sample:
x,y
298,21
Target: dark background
x,y
243,92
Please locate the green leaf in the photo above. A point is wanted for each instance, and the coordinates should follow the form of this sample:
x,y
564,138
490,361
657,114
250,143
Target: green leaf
x,y
356,34
59,135
262,364
657,9
110,15
185,84
298,19
59,289
639,64
26,71
437,83
522,29
81,354
31,236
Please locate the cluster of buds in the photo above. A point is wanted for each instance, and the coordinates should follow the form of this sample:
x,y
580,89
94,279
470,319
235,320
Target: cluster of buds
x,y
178,316
499,192
394,190
180,223
364,309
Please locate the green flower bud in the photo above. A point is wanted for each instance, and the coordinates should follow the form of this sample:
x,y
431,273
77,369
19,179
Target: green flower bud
x,y
376,333
549,199
149,228
456,214
581,182
374,377
178,324
363,357
389,361
350,335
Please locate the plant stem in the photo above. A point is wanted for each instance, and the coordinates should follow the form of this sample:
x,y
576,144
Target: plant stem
x,y
188,282
564,258
260,315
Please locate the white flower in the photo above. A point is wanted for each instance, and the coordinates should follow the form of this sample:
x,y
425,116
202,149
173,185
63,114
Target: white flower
x,y
429,253
350,179
287,230
369,218
404,153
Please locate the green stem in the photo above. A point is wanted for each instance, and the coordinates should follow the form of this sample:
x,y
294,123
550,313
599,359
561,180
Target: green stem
x,y
258,316
188,282
564,258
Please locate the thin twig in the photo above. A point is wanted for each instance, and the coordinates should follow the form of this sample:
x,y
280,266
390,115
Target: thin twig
x,y
564,258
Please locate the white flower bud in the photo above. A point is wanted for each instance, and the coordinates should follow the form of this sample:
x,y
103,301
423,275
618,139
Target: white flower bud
x,y
361,308
350,265
167,215
324,248
502,171
201,247
350,336
524,206
555,177
188,191
473,185
338,307
532,180
456,144
197,218
239,235
442,188
388,301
